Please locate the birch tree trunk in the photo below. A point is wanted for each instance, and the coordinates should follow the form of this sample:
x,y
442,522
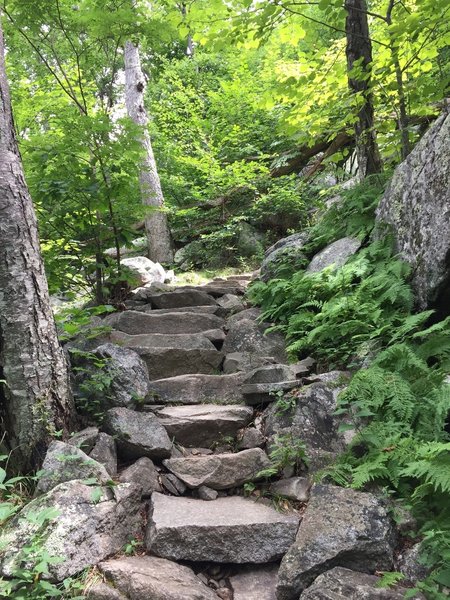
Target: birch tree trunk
x,y
35,398
158,234
359,50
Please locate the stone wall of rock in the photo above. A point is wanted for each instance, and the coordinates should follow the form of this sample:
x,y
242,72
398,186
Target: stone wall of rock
x,y
417,207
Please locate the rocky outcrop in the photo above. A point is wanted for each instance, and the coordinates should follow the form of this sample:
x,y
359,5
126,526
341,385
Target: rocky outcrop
x,y
227,530
416,205
153,578
137,434
341,527
85,524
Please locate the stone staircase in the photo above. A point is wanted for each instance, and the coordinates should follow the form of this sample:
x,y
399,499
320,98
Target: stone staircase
x,y
190,452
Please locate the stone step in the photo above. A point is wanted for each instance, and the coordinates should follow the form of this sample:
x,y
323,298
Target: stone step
x,y
203,424
197,389
225,530
167,362
212,309
135,323
181,297
184,341
219,471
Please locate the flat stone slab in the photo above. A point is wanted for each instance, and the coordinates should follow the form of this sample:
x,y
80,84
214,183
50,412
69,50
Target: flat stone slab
x,y
196,389
343,584
180,298
185,341
255,583
153,578
137,434
135,323
219,471
203,424
210,310
226,530
340,527
169,362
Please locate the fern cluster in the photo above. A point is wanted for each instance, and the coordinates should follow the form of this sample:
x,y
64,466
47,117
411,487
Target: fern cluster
x,y
398,402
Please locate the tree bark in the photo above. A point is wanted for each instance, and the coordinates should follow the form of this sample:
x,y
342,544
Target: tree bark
x,y
158,234
359,54
35,398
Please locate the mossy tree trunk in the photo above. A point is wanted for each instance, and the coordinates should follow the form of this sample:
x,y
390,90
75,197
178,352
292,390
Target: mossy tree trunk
x,y
35,398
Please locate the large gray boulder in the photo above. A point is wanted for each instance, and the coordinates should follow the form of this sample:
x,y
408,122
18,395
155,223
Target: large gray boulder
x,y
246,335
137,434
335,254
196,389
203,424
227,530
89,523
185,341
219,471
343,584
144,270
416,206
312,419
153,578
244,361
255,583
134,322
64,462
340,527
124,377
289,250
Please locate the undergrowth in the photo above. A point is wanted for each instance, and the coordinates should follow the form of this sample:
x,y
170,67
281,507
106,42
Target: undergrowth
x,y
361,316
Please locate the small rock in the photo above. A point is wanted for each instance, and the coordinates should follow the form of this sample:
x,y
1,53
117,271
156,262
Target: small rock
x,y
144,474
224,593
343,584
229,304
410,565
294,488
85,439
173,484
255,583
137,434
250,438
103,591
64,462
244,361
206,493
105,452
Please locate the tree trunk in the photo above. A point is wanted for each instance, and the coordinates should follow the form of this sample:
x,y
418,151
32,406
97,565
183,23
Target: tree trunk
x,y
158,234
359,55
35,398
